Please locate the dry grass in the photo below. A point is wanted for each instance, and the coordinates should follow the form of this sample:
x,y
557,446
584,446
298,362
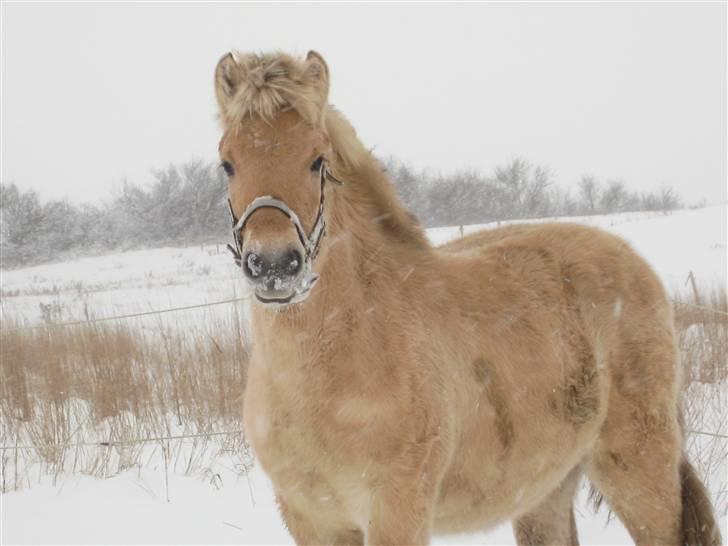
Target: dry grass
x,y
117,382
702,326
114,382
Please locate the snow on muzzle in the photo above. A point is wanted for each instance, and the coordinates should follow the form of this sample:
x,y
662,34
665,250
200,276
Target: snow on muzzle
x,y
282,276
278,275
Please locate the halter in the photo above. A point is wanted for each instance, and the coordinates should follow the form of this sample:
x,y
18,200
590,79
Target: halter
x,y
311,242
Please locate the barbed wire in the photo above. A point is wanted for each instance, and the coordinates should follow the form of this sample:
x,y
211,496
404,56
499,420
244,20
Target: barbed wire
x,y
234,300
127,316
137,441
701,307
706,433
115,443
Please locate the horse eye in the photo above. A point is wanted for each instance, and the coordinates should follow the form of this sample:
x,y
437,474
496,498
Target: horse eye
x,y
228,168
316,165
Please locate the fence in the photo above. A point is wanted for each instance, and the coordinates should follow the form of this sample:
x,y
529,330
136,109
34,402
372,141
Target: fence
x,y
222,433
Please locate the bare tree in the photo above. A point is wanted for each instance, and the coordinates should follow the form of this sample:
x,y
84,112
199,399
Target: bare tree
x,y
614,197
668,199
589,192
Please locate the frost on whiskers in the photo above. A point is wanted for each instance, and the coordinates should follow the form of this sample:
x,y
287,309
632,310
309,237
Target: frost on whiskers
x,y
254,264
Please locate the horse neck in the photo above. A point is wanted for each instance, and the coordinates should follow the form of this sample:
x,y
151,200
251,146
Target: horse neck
x,y
371,240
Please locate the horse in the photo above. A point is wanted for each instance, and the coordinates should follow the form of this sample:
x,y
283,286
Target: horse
x,y
398,390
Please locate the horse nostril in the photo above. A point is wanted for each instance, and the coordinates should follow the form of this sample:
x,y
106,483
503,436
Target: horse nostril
x,y
293,262
252,265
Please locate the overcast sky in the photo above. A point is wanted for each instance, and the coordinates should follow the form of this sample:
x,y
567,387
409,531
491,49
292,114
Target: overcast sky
x,y
93,94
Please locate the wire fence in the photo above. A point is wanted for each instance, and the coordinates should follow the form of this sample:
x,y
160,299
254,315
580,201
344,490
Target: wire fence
x,y
120,443
701,307
138,441
235,300
127,316
116,443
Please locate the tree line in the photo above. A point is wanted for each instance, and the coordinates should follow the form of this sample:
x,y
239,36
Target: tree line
x,y
516,190
186,204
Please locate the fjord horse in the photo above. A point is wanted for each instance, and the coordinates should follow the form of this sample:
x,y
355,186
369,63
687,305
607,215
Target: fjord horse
x,y
398,390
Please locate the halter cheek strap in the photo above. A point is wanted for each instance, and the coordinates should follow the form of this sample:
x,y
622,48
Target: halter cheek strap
x,y
311,242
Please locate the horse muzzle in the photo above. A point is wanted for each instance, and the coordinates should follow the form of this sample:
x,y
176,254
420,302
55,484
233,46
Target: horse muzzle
x,y
278,276
281,277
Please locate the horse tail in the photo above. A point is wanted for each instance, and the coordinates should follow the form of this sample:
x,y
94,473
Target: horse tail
x,y
699,527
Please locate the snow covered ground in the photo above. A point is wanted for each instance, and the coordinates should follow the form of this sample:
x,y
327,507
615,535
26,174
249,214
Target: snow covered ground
x,y
132,508
221,504
676,244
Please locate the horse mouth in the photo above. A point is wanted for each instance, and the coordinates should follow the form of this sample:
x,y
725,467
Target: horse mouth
x,y
275,300
278,300
282,297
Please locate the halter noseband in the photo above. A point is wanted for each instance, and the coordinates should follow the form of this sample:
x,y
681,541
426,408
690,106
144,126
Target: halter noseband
x,y
311,242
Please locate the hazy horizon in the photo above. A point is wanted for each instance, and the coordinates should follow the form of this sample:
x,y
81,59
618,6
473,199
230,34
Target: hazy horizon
x,y
93,94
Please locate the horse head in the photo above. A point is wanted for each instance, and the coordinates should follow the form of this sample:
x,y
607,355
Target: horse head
x,y
277,155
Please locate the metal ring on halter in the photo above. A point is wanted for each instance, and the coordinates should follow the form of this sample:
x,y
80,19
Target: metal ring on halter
x,y
311,242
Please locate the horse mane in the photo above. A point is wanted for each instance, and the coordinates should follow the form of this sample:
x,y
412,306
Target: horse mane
x,y
263,85
364,171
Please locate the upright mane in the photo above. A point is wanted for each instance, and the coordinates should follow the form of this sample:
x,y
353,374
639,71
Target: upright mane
x,y
262,85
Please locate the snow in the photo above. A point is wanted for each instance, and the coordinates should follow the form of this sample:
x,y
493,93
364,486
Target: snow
x,y
254,264
132,508
674,244
129,282
219,503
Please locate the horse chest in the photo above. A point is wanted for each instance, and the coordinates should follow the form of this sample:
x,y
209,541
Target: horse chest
x,y
306,437
304,444
284,422
277,420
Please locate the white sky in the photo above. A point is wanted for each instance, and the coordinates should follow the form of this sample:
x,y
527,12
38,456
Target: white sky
x,y
96,93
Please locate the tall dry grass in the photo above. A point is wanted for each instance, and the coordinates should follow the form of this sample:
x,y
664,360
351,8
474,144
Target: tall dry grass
x,y
116,382
701,320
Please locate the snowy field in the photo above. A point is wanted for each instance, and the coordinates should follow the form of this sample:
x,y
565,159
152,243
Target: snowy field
x,y
160,501
675,244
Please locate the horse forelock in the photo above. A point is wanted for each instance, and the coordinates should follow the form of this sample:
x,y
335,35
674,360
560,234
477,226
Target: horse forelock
x,y
268,83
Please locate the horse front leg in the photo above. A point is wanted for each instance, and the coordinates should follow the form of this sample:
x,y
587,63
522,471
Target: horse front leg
x,y
311,528
400,516
403,506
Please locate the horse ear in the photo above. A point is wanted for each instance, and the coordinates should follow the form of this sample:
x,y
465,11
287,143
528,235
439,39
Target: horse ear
x,y
318,73
228,75
317,65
